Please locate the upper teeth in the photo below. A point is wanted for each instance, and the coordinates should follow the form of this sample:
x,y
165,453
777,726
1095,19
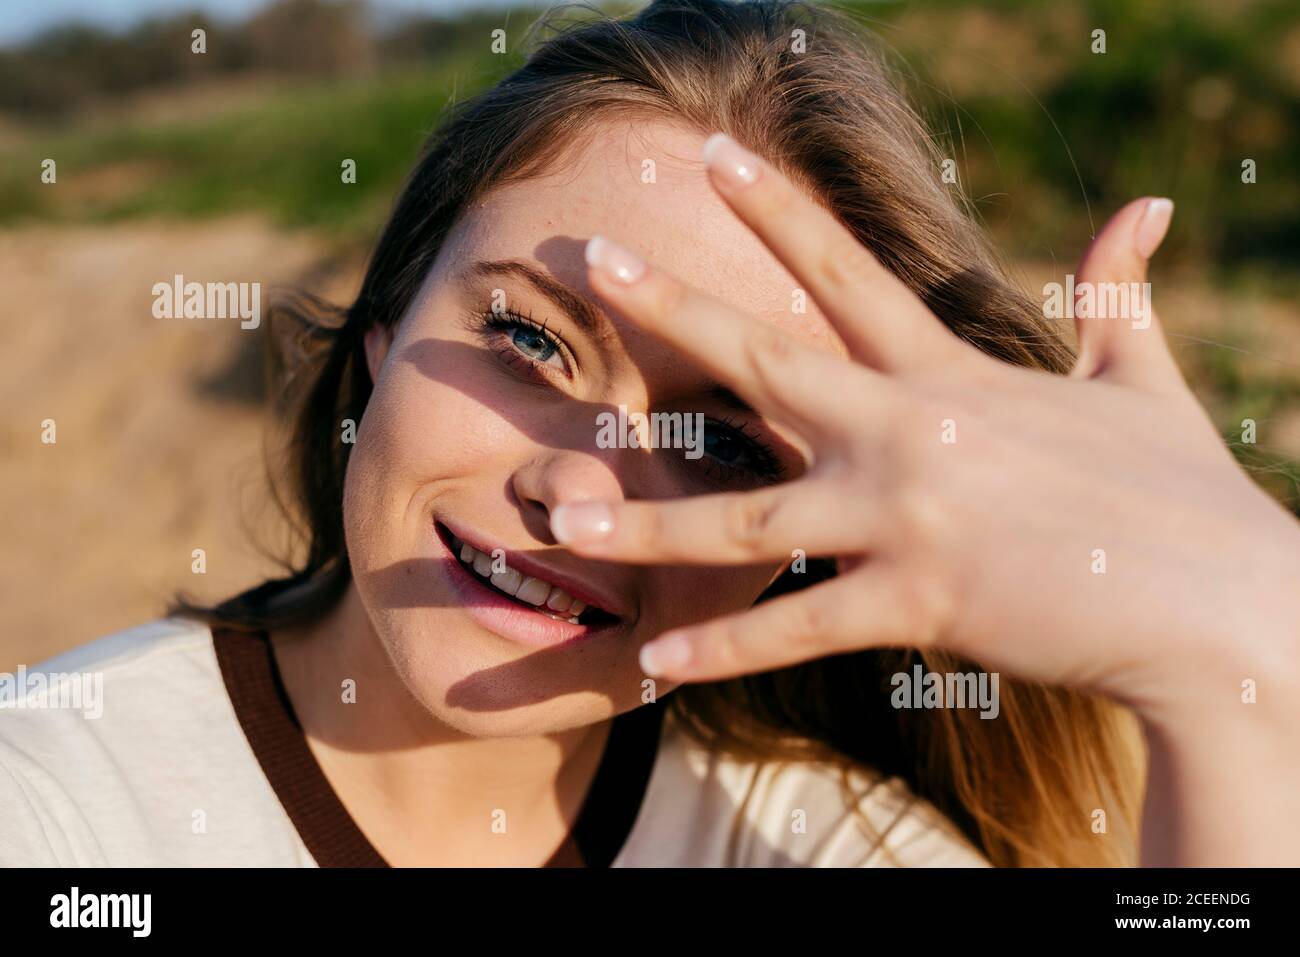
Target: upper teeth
x,y
535,591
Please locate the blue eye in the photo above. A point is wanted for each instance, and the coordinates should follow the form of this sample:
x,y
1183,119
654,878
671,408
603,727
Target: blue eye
x,y
516,337
533,344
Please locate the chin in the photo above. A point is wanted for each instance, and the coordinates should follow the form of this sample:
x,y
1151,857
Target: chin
x,y
481,685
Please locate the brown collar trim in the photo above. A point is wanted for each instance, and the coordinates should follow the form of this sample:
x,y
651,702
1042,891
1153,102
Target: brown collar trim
x,y
252,680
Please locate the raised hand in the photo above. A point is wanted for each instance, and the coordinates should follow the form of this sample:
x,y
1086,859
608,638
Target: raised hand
x,y
1089,529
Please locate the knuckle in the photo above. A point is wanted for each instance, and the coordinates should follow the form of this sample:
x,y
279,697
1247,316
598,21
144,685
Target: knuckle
x,y
807,622
922,514
923,605
768,353
847,264
749,520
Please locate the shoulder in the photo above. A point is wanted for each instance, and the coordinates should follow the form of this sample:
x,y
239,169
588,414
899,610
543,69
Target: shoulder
x,y
721,811
109,751
119,679
74,689
129,647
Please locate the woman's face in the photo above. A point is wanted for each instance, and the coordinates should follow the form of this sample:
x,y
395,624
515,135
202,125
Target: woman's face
x,y
487,413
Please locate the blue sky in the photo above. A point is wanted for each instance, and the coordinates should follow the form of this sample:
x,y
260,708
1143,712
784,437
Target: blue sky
x,y
20,19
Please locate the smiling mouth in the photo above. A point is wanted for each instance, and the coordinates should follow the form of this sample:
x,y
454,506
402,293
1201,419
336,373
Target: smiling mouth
x,y
529,592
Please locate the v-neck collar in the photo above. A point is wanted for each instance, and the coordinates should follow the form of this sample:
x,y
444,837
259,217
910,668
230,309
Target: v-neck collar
x,y
252,680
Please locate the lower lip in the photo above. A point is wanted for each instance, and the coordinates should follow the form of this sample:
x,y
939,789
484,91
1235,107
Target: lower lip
x,y
501,616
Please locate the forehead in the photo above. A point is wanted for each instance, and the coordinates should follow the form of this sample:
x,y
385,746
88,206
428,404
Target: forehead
x,y
642,184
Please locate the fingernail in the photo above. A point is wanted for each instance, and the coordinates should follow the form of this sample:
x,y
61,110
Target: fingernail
x,y
621,265
1153,225
581,522
670,652
735,164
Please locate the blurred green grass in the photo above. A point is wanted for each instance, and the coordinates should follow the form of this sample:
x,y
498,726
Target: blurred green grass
x,y
278,152
1046,131
1048,136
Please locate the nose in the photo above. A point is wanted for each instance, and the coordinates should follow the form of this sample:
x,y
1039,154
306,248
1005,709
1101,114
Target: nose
x,y
560,477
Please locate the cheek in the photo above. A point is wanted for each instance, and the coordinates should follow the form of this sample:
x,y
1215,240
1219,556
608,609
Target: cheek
x,y
417,432
689,594
418,429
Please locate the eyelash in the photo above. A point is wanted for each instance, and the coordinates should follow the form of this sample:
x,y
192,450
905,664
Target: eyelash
x,y
767,465
494,328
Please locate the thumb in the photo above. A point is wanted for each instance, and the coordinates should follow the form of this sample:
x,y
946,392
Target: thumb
x,y
1120,335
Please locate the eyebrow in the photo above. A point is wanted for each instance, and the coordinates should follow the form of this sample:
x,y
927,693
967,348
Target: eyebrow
x,y
584,310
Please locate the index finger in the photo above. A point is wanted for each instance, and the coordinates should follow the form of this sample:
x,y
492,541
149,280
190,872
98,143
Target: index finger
x,y
774,372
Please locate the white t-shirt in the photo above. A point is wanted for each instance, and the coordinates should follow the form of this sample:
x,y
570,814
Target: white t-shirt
x,y
170,746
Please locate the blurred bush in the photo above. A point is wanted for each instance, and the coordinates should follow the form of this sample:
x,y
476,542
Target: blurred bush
x,y
1048,135
1184,93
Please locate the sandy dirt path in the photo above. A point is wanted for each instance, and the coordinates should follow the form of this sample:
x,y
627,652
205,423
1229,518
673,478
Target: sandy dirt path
x,y
157,452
